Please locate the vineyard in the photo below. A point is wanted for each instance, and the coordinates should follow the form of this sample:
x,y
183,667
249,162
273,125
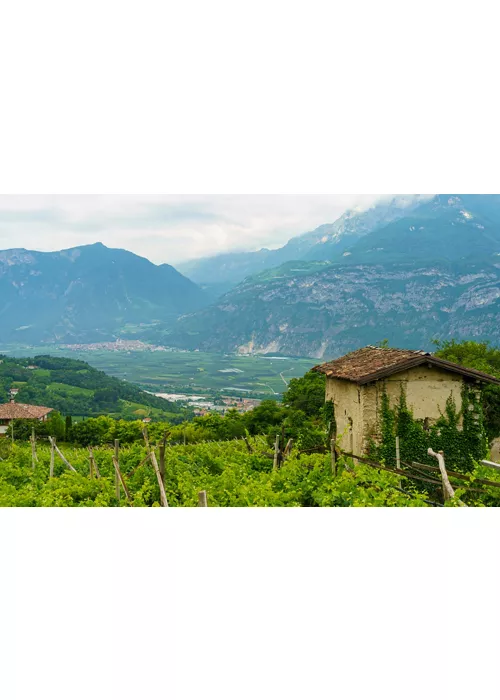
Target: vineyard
x,y
235,473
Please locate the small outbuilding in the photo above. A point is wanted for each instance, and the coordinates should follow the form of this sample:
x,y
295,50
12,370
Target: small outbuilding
x,y
18,411
356,383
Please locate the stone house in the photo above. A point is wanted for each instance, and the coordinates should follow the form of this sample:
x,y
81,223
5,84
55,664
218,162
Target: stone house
x,y
17,411
356,382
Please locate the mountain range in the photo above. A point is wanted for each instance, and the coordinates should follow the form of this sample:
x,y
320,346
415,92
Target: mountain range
x,y
87,294
410,269
328,242
433,271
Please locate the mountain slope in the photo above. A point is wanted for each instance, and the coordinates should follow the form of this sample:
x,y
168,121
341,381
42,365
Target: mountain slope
x,y
356,224
327,242
432,273
86,294
447,228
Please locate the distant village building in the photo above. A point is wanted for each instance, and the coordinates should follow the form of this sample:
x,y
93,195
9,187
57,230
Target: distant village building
x,y
17,411
356,383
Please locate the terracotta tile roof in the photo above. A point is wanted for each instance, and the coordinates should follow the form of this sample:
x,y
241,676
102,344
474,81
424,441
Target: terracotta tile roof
x,y
20,411
371,363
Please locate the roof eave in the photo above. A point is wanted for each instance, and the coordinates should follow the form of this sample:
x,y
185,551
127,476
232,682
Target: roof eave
x,y
410,364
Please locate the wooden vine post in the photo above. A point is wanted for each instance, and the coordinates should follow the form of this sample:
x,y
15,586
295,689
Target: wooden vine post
x,y
276,453
34,458
202,499
333,458
163,472
448,491
163,495
398,459
58,451
120,478
288,448
116,458
146,437
93,464
52,457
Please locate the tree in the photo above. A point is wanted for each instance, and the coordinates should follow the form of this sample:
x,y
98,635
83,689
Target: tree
x,y
307,394
261,419
69,427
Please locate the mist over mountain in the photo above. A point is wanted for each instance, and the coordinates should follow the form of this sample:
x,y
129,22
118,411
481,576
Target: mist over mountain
x,y
432,272
327,242
87,294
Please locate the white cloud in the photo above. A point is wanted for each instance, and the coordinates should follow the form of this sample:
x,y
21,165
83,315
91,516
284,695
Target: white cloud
x,y
166,228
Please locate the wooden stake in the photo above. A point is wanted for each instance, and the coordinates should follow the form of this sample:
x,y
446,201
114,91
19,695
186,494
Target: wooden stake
x,y
52,457
334,458
276,453
163,495
34,458
249,446
162,464
146,437
117,478
70,466
202,499
94,463
288,448
120,478
448,490
398,459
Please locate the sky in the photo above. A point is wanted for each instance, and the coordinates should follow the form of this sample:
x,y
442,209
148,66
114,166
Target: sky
x,y
167,228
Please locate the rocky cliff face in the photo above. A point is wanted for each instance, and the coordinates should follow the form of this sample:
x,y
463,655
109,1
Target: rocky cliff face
x,y
433,273
332,311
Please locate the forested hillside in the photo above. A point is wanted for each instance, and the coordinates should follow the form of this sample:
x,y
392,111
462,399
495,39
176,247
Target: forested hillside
x,y
74,388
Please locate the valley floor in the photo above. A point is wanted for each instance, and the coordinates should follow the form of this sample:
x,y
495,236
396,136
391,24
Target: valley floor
x,y
181,372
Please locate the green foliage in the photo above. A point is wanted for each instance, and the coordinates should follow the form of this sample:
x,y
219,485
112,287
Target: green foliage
x,y
55,427
485,358
307,394
68,429
231,476
459,434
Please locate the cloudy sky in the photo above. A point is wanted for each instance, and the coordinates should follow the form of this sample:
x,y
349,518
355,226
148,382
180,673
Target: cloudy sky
x,y
166,228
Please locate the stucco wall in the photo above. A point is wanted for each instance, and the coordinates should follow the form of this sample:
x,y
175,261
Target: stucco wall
x,y
347,399
427,390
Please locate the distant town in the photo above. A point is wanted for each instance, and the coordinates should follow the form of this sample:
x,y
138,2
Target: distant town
x,y
202,405
119,346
